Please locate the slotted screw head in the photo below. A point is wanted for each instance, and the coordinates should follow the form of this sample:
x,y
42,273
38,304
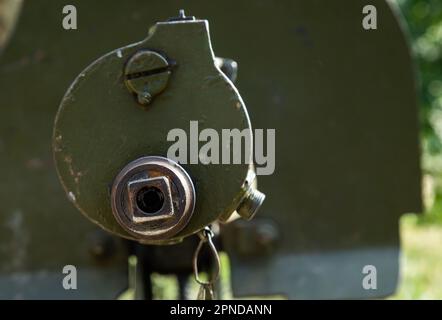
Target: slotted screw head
x,y
146,75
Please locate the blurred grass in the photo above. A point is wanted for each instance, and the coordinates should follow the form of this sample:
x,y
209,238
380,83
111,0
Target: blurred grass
x,y
421,241
421,261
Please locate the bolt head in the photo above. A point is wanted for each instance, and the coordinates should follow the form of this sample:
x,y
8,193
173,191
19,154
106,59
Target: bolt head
x,y
144,98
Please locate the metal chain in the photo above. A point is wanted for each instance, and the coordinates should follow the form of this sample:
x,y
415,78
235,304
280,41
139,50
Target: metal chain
x,y
206,289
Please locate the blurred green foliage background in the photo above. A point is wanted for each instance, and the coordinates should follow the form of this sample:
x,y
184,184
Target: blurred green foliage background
x,y
421,236
424,21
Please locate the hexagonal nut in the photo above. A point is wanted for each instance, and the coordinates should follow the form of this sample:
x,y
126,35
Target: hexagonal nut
x,y
139,189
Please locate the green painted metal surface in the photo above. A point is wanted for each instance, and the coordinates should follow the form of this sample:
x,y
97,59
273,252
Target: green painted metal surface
x,y
100,128
341,99
347,155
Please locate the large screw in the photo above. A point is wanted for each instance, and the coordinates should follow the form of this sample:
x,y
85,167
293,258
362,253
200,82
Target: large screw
x,y
153,198
146,75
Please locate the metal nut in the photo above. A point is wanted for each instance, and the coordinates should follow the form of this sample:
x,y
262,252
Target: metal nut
x,y
153,198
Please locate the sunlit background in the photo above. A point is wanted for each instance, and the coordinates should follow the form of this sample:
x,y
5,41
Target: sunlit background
x,y
421,268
